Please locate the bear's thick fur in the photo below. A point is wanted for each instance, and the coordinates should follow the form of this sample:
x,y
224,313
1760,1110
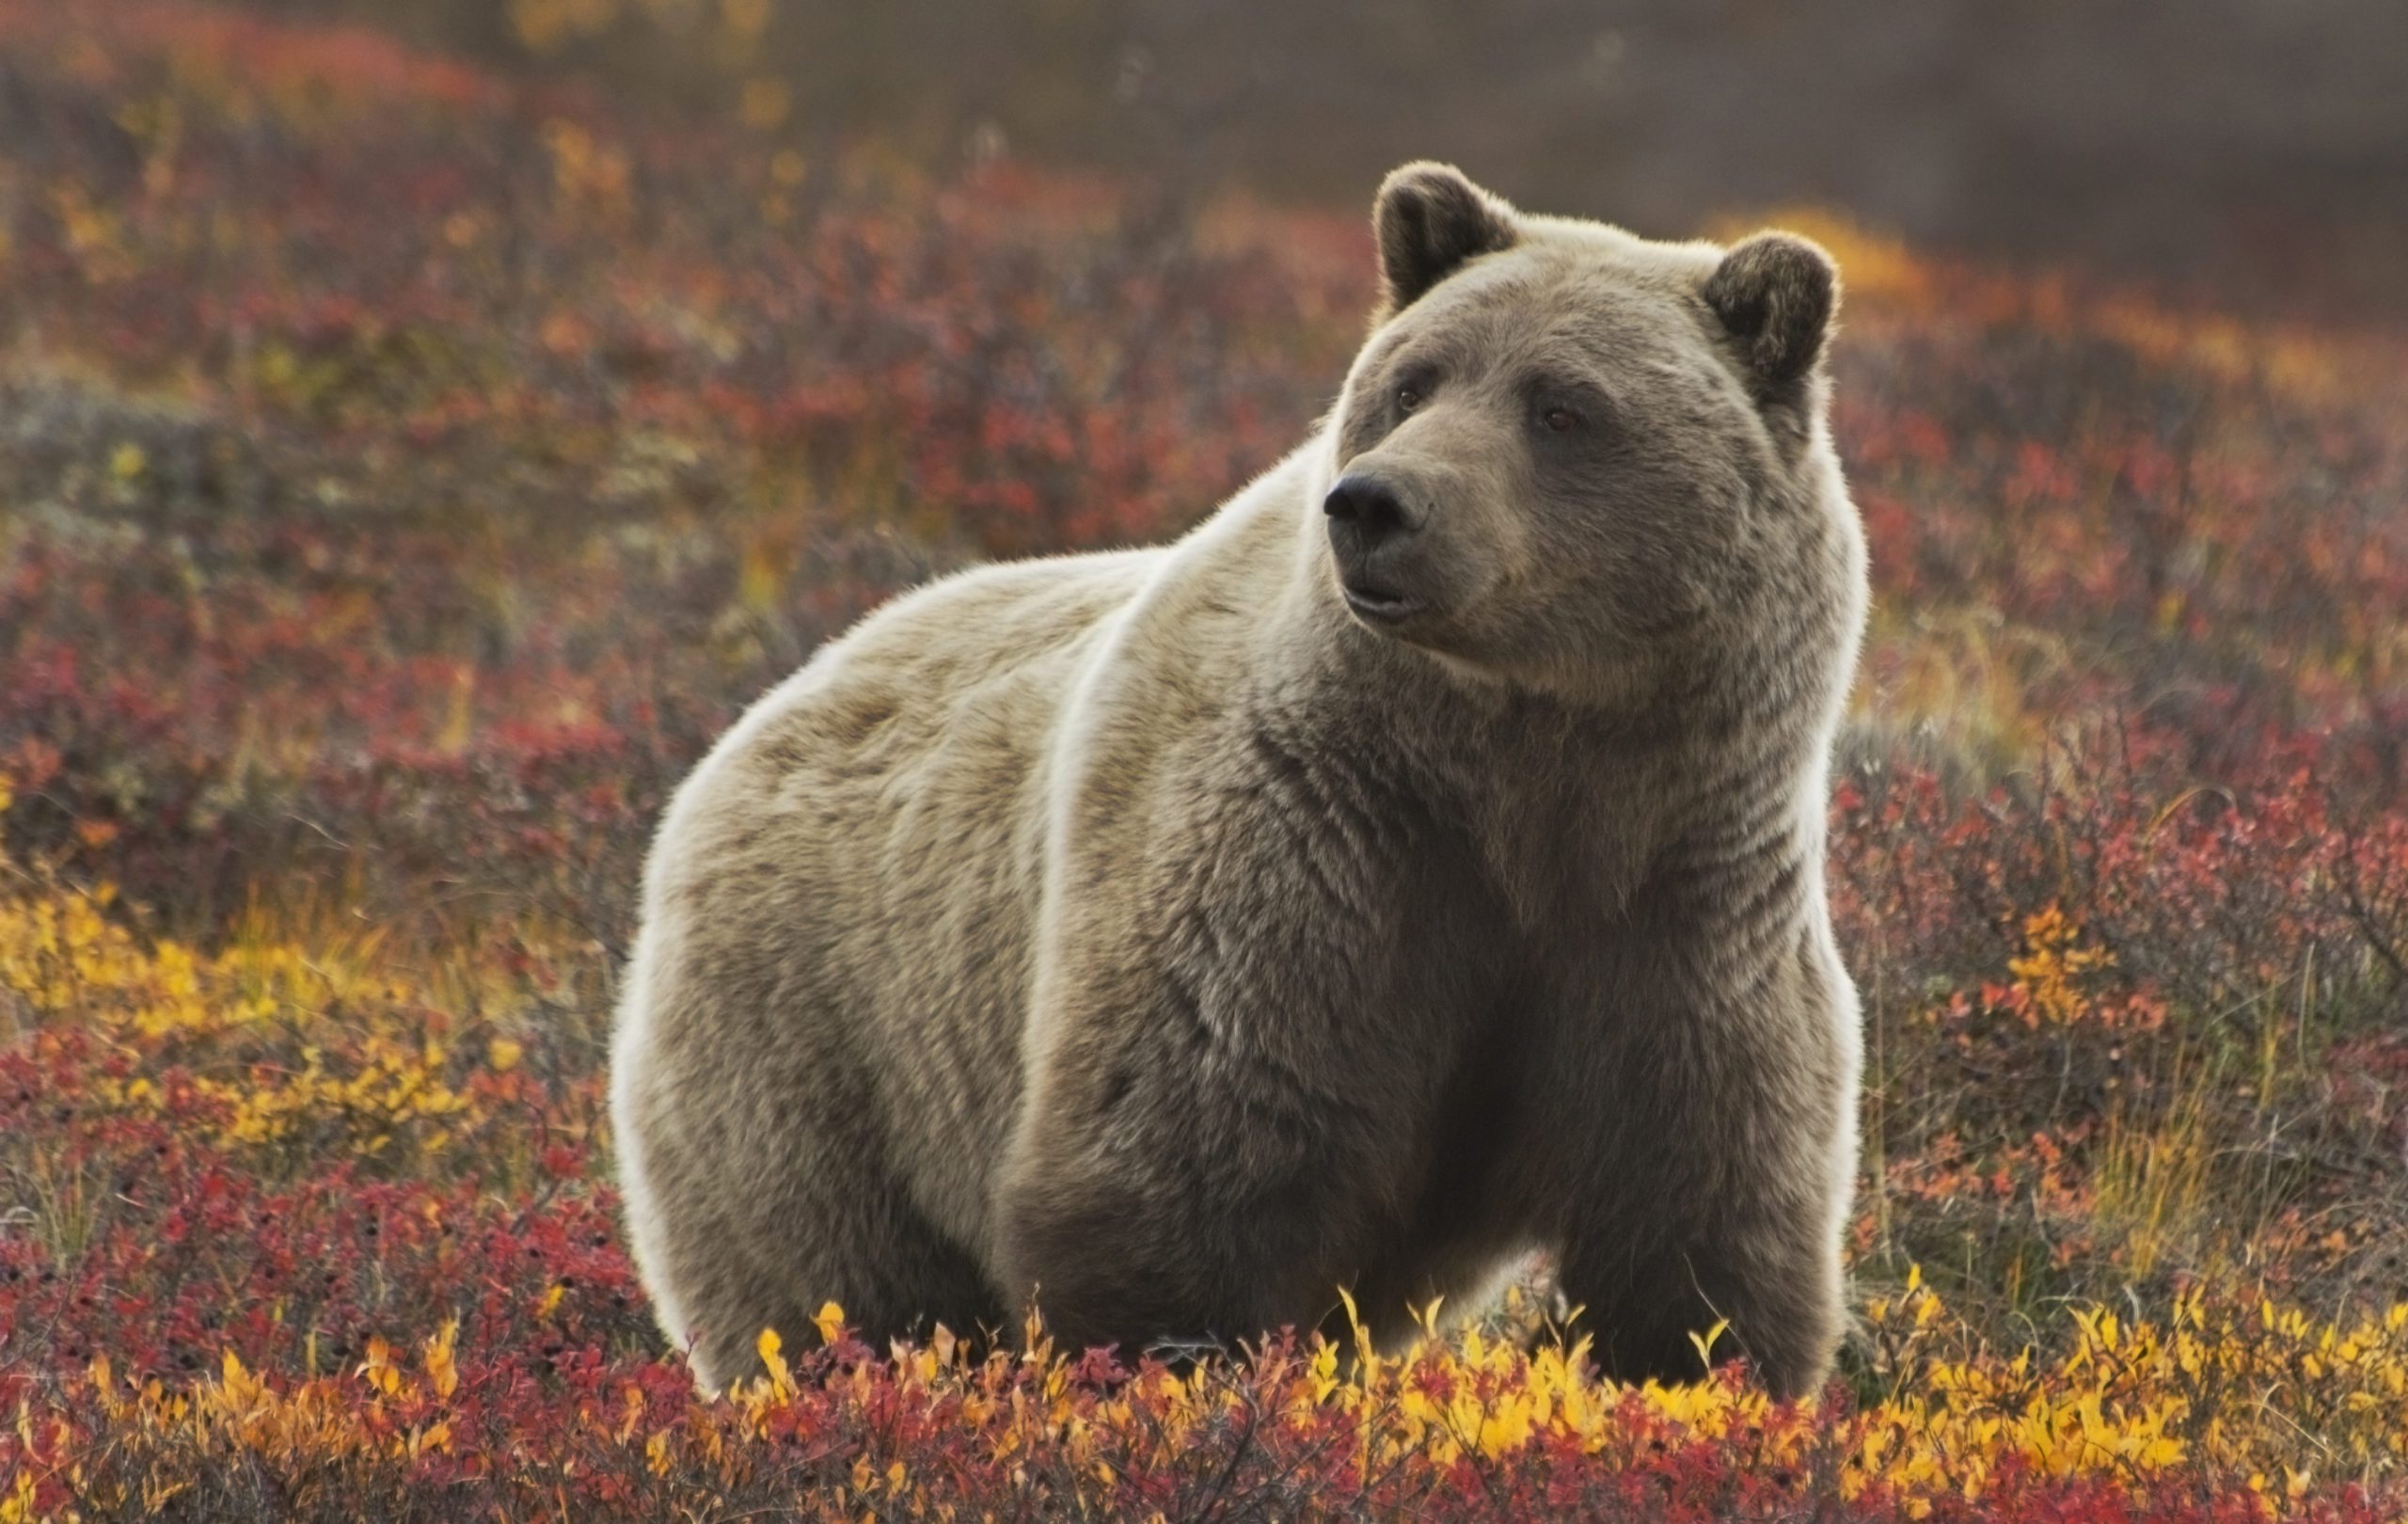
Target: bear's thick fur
x,y
1419,863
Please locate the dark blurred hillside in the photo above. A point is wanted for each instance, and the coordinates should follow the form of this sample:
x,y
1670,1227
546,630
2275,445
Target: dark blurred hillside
x,y
2249,150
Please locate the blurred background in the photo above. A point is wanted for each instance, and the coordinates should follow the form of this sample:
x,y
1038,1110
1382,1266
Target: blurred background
x,y
2250,150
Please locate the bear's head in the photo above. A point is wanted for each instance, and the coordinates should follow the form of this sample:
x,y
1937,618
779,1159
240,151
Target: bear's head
x,y
1565,451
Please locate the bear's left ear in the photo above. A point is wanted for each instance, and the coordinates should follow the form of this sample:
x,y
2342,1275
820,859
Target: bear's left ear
x,y
1431,220
1776,293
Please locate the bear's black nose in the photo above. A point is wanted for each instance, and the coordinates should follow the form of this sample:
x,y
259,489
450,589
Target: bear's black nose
x,y
1366,512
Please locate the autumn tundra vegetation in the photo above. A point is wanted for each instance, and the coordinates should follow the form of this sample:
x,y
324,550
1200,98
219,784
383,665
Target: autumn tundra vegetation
x,y
407,466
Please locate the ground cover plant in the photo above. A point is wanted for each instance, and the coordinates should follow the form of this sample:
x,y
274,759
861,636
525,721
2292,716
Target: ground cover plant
x,y
406,468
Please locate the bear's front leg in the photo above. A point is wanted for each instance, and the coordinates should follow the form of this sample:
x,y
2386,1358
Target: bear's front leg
x,y
1716,1188
1187,1197
1106,1265
1182,1219
1764,1271
1244,1010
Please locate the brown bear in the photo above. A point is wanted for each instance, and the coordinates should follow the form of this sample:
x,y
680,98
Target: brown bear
x,y
1418,864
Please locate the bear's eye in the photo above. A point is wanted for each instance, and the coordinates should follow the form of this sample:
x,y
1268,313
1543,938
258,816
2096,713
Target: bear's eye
x,y
1408,398
1560,419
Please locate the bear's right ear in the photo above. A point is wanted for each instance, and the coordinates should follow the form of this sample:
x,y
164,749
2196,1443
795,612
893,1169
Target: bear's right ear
x,y
1429,220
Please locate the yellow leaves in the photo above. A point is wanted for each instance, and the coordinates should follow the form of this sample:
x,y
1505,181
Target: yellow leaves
x,y
1704,1343
66,955
60,952
378,1369
2084,1433
764,566
778,1385
1506,1426
460,713
2114,1405
1366,1350
441,1370
392,1088
2134,1398
1322,1373
2052,968
239,1399
435,1436
502,1055
94,233
586,174
830,1321
1705,1407
315,1417
2295,1483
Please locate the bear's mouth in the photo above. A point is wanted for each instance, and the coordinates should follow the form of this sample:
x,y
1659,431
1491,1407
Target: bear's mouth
x,y
1377,603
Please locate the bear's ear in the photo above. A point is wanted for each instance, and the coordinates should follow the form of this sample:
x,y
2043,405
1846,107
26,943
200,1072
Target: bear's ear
x,y
1429,220
1776,293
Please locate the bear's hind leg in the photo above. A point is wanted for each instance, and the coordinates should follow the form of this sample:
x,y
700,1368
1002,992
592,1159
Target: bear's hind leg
x,y
891,1273
727,1305
726,1253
